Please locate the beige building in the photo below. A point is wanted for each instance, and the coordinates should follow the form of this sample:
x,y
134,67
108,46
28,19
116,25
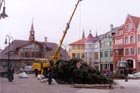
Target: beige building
x,y
77,49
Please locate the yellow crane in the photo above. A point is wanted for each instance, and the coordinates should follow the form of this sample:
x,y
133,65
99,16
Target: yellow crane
x,y
39,64
56,55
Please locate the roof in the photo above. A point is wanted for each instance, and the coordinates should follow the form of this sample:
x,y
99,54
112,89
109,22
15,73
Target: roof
x,y
16,44
135,20
90,37
79,42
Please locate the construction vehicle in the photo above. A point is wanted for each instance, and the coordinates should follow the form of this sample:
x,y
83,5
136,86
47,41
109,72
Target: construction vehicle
x,y
56,55
39,64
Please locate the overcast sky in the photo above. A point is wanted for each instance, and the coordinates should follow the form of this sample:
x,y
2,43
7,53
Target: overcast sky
x,y
50,18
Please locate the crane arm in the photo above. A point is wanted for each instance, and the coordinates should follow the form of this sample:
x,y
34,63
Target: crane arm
x,y
56,55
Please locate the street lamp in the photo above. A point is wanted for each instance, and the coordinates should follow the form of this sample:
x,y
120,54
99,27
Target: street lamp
x,y
3,14
8,41
65,46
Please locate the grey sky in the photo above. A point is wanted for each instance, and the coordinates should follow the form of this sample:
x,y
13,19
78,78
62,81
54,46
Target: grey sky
x,y
50,18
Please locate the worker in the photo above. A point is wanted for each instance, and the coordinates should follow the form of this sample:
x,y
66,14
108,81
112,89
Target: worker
x,y
50,76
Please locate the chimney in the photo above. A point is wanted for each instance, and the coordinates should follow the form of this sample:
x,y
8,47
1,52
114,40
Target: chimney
x,y
45,39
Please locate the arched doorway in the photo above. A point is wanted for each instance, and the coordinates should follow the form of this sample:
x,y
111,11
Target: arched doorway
x,y
130,65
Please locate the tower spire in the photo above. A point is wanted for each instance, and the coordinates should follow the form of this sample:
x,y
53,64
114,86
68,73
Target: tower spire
x,y
96,33
32,33
83,36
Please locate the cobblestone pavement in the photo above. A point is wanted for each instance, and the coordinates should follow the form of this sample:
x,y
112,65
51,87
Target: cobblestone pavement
x,y
32,85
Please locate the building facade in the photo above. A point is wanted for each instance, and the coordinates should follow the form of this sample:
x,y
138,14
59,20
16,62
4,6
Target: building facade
x,y
130,41
77,49
106,52
92,51
126,43
118,46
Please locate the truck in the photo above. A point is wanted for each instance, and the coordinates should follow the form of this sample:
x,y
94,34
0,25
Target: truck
x,y
39,64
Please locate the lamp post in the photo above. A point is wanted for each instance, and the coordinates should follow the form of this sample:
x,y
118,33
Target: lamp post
x,y
8,41
65,46
3,14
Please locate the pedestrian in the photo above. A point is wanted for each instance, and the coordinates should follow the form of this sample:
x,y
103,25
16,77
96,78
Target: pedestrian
x,y
50,76
36,72
13,73
10,74
107,72
126,74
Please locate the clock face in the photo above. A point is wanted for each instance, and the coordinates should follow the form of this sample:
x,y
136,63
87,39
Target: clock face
x,y
129,27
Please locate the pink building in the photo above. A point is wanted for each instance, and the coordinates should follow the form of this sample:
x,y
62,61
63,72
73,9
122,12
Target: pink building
x,y
130,42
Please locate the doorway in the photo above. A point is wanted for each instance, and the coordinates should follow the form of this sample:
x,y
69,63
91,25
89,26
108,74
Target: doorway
x,y
130,65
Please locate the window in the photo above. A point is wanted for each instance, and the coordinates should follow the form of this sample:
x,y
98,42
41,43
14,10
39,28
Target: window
x,y
126,40
111,43
101,54
120,32
91,45
138,50
78,47
117,42
83,55
119,52
73,47
129,27
78,55
106,53
106,44
132,51
132,39
73,55
96,55
126,51
111,53
90,56
139,37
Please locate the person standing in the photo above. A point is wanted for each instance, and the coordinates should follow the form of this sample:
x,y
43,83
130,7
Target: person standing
x,y
50,76
107,72
10,74
126,74
36,72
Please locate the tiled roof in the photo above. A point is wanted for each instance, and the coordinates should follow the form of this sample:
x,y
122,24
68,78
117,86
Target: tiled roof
x,y
79,42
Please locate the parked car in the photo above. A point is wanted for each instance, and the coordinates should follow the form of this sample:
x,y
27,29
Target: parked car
x,y
28,69
137,75
134,76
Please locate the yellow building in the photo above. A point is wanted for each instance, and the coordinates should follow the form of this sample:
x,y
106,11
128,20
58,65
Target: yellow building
x,y
77,49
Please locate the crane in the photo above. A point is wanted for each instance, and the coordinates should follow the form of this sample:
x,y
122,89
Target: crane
x,y
56,55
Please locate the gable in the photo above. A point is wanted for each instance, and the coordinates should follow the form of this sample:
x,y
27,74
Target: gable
x,y
131,24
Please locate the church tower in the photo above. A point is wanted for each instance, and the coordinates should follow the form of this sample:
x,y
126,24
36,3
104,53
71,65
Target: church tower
x,y
32,33
83,36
